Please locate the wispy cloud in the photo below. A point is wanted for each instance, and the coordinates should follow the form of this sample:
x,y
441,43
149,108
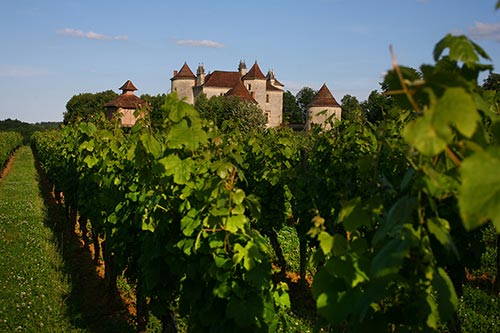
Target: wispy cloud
x,y
485,31
89,35
14,71
200,43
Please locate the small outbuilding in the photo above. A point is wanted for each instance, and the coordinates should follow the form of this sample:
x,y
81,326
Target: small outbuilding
x,y
125,105
323,108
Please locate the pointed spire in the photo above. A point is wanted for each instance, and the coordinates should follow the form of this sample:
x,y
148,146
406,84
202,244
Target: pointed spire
x,y
127,86
324,98
254,73
184,73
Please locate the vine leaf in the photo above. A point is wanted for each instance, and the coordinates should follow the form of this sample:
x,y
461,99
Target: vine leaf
x,y
440,228
447,298
460,49
390,259
180,169
479,193
431,133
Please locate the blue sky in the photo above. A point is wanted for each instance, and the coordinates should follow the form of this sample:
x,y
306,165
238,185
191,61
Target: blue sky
x,y
54,49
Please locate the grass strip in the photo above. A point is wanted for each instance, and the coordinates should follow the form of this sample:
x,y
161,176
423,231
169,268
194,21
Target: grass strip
x,y
33,287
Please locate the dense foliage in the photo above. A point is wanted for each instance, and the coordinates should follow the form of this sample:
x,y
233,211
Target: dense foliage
x,y
9,141
384,207
231,113
26,129
87,106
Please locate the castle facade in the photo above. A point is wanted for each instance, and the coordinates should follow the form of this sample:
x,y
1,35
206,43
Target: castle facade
x,y
252,86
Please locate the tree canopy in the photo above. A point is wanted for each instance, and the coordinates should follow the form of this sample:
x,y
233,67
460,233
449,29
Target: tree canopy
x,y
305,97
351,107
492,82
231,113
87,106
292,112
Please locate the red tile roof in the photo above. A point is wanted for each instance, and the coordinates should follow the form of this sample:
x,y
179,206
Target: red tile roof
x,y
278,83
128,86
254,73
241,92
222,79
270,87
127,102
324,98
184,73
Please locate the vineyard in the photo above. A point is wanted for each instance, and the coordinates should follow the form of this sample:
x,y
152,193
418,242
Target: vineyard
x,y
9,141
389,216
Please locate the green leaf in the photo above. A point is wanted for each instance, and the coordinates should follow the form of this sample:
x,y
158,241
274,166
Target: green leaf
x,y
431,133
180,169
433,317
190,222
182,135
400,213
90,161
447,299
177,111
440,228
390,259
347,267
88,145
151,145
456,107
353,215
479,193
325,242
460,49
238,196
235,223
422,135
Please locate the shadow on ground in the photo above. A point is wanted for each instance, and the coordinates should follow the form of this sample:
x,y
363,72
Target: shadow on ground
x,y
90,306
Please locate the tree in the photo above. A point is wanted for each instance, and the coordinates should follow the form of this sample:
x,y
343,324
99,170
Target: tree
x,y
292,113
305,97
351,108
231,113
155,104
375,106
87,106
492,82
393,89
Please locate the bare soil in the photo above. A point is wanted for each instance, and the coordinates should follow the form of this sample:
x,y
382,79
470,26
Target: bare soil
x,y
7,167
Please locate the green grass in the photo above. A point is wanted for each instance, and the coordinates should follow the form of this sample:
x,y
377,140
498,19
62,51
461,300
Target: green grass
x,y
479,310
33,287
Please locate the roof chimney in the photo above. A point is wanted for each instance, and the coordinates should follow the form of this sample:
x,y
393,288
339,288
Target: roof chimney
x,y
242,68
175,73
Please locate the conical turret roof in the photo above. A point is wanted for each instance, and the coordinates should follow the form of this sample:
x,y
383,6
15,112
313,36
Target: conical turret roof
x,y
128,86
324,98
254,73
184,73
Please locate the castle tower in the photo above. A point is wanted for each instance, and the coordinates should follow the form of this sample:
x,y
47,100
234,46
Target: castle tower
x,y
183,82
255,82
322,108
242,68
125,105
200,75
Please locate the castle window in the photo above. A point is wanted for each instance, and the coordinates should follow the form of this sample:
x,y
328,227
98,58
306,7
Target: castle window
x,y
268,115
267,98
249,87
